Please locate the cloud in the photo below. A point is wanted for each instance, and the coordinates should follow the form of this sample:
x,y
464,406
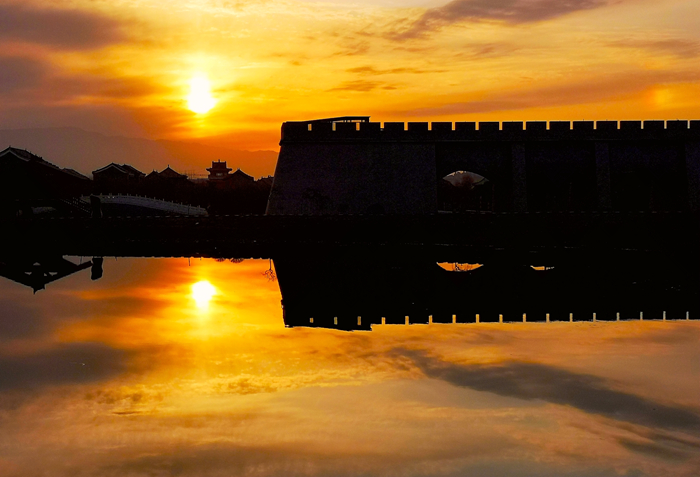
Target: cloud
x,y
351,47
372,71
678,47
593,90
58,28
359,85
508,11
32,82
64,364
17,72
585,392
652,449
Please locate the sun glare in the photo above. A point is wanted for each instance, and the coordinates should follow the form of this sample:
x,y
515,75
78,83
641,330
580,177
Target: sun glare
x,y
202,293
200,100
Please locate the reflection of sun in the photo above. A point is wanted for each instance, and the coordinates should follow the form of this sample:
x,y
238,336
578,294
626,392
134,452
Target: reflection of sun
x,y
200,100
202,293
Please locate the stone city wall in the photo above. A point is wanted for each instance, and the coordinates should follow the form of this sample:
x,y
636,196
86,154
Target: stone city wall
x,y
395,168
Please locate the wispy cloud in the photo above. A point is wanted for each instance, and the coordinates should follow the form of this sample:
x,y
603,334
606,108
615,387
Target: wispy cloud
x,y
361,85
58,28
585,392
507,11
18,72
65,364
652,449
671,46
372,71
610,88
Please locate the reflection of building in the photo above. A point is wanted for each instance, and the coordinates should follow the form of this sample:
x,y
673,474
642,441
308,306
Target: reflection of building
x,y
36,271
355,290
24,175
218,171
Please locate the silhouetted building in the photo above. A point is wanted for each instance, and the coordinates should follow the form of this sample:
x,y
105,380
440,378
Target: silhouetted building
x,y
218,171
167,175
24,175
239,179
117,178
117,171
265,182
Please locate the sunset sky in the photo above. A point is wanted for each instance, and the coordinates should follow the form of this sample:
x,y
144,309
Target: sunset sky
x,y
183,367
165,368
127,67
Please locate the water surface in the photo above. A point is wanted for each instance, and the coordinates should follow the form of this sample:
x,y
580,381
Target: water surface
x,y
133,375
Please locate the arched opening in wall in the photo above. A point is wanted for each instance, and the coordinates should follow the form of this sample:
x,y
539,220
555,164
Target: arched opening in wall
x,y
462,191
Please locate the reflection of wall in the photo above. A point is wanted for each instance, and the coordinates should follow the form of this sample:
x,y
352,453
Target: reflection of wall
x,y
331,168
336,288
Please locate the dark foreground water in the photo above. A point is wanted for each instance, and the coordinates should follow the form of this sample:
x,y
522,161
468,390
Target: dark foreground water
x,y
176,367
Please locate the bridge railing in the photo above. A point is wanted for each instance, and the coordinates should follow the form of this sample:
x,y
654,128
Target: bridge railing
x,y
150,203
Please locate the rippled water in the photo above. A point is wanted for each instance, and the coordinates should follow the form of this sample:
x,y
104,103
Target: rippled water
x,y
184,367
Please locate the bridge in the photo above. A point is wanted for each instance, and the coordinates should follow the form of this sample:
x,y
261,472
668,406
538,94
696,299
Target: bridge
x,y
148,203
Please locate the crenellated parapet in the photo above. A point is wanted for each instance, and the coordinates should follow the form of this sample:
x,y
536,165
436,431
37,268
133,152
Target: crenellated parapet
x,y
489,130
351,165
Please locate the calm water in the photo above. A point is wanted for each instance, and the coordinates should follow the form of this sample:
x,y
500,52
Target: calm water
x,y
136,375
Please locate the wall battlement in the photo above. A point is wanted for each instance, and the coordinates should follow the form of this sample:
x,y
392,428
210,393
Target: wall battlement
x,y
489,130
344,165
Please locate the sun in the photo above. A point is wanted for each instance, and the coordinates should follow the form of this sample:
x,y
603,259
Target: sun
x,y
202,293
200,100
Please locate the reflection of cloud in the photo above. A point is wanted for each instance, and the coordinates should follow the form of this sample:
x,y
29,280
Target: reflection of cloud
x,y
661,336
120,306
64,364
18,320
212,458
297,456
64,29
585,392
508,11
